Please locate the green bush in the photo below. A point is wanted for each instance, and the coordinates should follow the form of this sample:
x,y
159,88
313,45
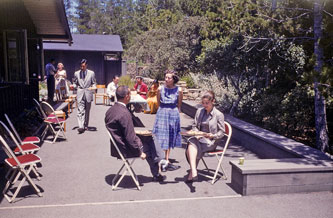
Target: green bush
x,y
126,81
189,81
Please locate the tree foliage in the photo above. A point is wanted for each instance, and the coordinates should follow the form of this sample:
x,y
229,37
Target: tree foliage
x,y
172,46
258,55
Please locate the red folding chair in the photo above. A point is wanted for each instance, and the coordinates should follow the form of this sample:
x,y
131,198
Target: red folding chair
x,y
26,140
17,148
54,124
43,116
219,154
126,167
19,166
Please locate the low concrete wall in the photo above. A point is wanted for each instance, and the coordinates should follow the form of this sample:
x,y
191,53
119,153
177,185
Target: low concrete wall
x,y
266,144
286,166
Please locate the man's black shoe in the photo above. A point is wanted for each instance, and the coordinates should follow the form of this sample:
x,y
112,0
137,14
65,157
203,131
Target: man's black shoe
x,y
159,178
80,130
172,167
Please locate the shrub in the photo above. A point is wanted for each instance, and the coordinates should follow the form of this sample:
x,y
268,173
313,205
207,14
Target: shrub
x,y
189,81
126,81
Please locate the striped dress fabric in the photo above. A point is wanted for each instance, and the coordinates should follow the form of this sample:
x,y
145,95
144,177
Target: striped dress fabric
x,y
167,122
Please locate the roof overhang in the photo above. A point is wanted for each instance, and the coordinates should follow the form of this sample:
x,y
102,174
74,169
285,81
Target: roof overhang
x,y
49,17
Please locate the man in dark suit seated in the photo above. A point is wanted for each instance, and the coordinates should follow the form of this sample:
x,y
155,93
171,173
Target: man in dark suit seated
x,y
118,121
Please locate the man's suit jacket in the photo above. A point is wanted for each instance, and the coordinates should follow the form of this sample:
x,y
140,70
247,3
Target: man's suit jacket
x,y
215,123
82,85
118,121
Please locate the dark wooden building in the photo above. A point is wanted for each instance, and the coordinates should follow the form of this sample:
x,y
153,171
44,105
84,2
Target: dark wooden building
x,y
103,52
24,26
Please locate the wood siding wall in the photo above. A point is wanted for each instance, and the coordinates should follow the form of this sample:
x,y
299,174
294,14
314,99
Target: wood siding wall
x,y
96,63
14,98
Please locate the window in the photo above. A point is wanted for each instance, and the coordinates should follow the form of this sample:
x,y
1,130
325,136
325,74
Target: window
x,y
111,57
16,56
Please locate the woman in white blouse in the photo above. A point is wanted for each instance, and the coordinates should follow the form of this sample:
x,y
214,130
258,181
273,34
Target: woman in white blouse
x,y
61,79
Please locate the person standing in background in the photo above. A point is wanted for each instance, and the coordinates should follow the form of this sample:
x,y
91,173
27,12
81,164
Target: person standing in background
x,y
61,80
85,82
49,73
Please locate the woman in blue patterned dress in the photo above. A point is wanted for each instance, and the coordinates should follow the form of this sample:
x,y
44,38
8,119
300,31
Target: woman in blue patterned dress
x,y
167,123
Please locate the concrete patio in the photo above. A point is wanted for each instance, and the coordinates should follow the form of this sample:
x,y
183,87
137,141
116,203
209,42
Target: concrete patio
x,y
77,174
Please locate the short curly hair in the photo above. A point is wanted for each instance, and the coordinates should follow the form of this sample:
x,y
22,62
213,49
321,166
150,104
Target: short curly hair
x,y
209,95
174,75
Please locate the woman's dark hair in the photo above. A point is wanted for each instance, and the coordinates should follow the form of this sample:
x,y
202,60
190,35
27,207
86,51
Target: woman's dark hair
x,y
174,75
155,81
210,95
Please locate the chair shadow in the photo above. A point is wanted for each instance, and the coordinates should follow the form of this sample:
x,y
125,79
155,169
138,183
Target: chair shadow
x,y
49,137
92,128
127,182
27,191
75,127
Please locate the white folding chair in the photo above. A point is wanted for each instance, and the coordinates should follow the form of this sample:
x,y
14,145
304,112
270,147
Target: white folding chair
x,y
26,140
19,165
44,116
126,167
54,124
17,148
219,154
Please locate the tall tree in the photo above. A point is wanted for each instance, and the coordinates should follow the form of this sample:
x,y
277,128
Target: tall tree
x,y
320,104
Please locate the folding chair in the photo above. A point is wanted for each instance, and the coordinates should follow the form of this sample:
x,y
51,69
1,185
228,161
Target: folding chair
x,y
20,148
74,99
128,168
26,140
62,96
219,154
58,113
99,94
54,124
19,165
17,148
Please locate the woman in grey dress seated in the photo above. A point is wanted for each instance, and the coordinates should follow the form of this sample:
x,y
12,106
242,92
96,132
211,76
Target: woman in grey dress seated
x,y
207,132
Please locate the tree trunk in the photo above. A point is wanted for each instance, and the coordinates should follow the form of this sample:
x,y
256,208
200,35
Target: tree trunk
x,y
320,107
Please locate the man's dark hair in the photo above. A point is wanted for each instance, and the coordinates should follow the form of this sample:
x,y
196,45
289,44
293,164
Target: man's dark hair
x,y
121,92
84,61
115,77
52,60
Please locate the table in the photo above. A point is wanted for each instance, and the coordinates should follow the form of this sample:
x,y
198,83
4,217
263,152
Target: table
x,y
143,131
137,99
